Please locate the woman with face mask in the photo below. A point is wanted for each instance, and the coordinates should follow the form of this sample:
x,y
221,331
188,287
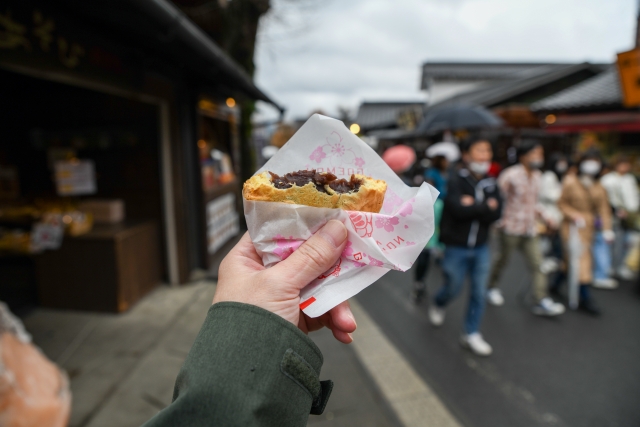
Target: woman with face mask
x,y
550,191
584,203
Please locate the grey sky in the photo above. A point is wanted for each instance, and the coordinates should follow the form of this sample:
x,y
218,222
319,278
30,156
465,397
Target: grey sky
x,y
319,55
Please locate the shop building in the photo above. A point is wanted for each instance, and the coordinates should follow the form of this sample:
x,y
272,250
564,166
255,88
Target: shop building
x,y
593,114
120,131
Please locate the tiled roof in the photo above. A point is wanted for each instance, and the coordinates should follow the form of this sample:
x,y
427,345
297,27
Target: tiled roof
x,y
380,115
452,71
493,93
601,90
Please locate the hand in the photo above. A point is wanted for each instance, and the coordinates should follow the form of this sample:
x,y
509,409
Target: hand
x,y
551,224
609,236
492,203
579,221
243,278
467,200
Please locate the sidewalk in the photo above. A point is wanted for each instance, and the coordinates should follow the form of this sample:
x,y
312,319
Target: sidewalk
x,y
123,367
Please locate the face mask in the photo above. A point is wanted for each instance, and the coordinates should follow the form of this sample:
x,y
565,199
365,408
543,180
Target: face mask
x,y
536,164
479,168
590,167
561,167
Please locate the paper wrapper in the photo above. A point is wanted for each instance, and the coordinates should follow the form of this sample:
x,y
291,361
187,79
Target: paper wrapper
x,y
391,239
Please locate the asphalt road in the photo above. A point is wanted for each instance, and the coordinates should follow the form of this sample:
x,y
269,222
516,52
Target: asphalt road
x,y
574,370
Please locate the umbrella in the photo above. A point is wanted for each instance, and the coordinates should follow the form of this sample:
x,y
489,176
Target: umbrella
x,y
449,150
458,117
399,158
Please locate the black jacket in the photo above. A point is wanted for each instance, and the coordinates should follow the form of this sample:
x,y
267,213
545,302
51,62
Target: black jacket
x,y
468,226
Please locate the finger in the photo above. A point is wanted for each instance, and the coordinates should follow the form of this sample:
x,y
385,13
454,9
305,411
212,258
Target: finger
x,y
342,318
313,257
243,252
343,337
313,324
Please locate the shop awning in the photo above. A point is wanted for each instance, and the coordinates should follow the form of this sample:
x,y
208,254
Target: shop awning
x,y
618,121
159,27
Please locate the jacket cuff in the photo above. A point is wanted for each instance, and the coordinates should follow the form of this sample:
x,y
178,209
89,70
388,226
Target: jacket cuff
x,y
260,364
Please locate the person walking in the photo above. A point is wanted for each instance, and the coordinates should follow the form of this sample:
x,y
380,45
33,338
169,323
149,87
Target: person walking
x,y
472,204
622,189
584,203
520,186
437,175
550,191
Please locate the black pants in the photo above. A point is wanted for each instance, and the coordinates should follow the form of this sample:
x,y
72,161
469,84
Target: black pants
x,y
422,265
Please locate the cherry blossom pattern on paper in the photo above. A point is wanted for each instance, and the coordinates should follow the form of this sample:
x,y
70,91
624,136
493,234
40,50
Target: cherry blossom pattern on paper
x,y
333,271
387,222
374,262
336,152
357,264
391,200
285,247
362,223
317,155
348,249
407,208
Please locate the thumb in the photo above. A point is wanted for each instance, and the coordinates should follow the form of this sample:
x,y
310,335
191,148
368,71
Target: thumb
x,y
313,257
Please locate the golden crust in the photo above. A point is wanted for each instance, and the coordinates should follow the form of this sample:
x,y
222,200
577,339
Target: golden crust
x,y
368,198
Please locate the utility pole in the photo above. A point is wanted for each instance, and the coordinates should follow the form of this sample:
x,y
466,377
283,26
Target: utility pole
x,y
637,44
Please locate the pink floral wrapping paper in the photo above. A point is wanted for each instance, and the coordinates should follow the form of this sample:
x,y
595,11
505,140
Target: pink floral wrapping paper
x,y
391,239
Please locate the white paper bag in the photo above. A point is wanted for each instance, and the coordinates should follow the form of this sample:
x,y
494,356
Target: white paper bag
x,y
391,239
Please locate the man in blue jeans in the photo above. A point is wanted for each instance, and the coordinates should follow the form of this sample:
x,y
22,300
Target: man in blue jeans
x,y
472,204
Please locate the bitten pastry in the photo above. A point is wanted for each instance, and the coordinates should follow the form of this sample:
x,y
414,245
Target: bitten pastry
x,y
321,190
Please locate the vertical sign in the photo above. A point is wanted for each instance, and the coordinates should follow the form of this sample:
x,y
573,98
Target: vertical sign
x,y
629,69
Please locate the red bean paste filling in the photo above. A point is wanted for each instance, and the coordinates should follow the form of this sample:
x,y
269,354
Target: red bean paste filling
x,y
303,177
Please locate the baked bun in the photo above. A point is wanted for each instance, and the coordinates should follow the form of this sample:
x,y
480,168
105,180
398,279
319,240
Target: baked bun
x,y
321,190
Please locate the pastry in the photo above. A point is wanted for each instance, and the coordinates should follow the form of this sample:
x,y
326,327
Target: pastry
x,y
321,190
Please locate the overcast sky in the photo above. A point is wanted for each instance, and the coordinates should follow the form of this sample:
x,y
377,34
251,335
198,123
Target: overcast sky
x,y
323,54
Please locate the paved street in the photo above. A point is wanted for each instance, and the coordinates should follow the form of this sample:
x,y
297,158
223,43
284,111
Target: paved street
x,y
571,371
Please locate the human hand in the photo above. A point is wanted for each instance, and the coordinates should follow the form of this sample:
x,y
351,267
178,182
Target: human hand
x,y
492,203
467,200
608,236
243,278
579,220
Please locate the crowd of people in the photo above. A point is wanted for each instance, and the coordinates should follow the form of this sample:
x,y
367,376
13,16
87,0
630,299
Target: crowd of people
x,y
574,220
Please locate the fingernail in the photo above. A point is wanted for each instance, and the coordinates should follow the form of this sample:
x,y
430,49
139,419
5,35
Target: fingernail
x,y
352,317
334,232
350,336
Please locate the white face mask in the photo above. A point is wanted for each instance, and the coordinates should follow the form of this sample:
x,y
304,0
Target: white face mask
x,y
561,167
479,168
590,167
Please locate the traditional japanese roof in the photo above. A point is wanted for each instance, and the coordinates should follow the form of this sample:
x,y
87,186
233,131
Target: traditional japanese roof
x,y
470,71
160,28
381,115
520,83
602,90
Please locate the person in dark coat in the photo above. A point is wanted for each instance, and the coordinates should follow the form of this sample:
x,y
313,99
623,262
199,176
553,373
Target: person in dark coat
x,y
472,204
252,363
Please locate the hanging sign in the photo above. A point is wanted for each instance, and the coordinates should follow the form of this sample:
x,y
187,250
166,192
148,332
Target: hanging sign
x,y
629,69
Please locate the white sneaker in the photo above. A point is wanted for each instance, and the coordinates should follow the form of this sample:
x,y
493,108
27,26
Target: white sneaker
x,y
547,307
607,283
436,315
625,273
476,344
549,265
494,297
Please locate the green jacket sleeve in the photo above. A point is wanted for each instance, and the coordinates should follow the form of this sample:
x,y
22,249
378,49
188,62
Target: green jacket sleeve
x,y
247,367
